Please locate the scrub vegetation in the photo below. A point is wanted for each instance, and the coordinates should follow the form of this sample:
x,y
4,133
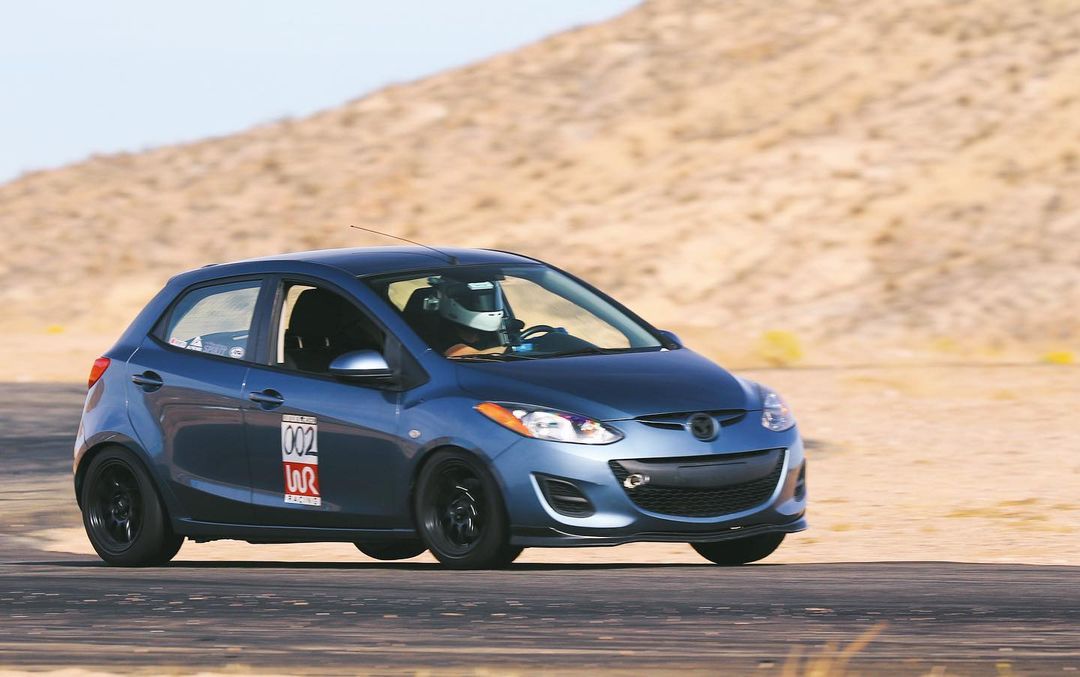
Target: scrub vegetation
x,y
780,348
799,184
888,181
829,660
1059,357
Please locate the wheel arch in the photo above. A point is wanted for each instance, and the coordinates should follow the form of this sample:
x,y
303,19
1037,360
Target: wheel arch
x,y
451,444
120,442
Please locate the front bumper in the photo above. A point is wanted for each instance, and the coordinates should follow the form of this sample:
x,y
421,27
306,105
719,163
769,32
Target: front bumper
x,y
528,537
617,518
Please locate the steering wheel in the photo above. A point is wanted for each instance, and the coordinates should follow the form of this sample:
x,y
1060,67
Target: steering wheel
x,y
537,329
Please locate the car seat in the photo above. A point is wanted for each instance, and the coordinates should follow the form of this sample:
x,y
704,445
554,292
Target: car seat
x,y
323,326
431,326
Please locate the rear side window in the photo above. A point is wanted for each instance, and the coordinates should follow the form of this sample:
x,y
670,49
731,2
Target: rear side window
x,y
215,320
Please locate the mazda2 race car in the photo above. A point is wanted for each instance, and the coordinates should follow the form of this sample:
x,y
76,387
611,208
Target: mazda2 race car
x,y
468,402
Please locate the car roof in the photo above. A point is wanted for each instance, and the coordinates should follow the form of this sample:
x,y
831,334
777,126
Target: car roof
x,y
376,260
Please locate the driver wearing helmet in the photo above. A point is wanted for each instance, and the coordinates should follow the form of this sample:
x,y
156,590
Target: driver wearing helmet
x,y
476,312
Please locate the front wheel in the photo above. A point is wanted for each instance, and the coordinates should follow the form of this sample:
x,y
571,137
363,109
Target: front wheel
x,y
460,514
122,513
740,550
392,550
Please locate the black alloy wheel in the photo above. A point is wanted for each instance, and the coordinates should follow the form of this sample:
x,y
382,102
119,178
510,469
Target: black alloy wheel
x,y
392,550
115,506
460,513
740,550
122,513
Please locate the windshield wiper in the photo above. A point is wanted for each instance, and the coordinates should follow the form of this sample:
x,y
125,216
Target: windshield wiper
x,y
492,357
587,350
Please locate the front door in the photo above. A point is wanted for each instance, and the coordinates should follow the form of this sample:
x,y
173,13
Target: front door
x,y
323,452
184,399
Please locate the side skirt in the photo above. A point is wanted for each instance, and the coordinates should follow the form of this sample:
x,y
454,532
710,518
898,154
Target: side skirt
x,y
212,531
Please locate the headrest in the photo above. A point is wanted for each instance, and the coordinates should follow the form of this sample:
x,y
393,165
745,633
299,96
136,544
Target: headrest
x,y
415,304
317,314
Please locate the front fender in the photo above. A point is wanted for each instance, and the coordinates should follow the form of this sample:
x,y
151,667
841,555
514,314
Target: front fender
x,y
464,445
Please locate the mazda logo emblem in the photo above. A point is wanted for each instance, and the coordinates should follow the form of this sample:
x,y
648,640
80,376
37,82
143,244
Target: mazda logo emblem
x,y
703,427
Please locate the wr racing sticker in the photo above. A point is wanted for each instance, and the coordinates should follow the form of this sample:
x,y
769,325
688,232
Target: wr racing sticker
x,y
300,459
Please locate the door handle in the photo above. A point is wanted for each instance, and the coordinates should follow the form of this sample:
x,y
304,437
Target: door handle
x,y
148,381
268,398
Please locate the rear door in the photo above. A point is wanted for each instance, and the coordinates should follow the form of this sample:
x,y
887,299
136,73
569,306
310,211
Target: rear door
x,y
323,452
184,395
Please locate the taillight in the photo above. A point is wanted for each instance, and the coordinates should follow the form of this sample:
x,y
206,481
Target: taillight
x,y
96,371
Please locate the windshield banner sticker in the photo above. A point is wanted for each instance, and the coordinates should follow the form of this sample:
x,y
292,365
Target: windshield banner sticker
x,y
300,459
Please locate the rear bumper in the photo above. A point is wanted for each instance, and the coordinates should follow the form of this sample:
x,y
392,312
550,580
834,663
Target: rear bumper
x,y
548,537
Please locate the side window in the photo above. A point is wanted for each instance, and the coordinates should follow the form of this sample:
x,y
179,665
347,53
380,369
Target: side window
x,y
317,325
215,320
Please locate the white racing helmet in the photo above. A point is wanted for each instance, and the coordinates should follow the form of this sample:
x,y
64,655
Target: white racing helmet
x,y
474,304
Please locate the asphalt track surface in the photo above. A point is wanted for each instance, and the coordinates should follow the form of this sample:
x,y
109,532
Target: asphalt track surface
x,y
61,611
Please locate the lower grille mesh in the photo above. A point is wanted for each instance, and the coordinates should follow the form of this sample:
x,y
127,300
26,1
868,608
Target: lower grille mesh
x,y
565,498
701,502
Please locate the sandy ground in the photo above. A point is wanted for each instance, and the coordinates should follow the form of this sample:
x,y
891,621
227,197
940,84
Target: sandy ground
x,y
841,177
967,464
897,174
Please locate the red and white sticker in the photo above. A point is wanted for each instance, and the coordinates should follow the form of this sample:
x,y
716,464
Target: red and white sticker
x,y
300,459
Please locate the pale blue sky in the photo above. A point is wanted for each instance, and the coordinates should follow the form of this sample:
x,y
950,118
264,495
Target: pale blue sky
x,y
80,77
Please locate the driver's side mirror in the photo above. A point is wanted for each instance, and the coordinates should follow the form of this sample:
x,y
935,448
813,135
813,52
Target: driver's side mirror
x,y
361,364
672,337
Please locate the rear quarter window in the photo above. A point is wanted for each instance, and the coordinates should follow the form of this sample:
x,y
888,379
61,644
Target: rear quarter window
x,y
215,320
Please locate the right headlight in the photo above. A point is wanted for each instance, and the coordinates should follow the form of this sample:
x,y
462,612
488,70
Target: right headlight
x,y
775,413
548,424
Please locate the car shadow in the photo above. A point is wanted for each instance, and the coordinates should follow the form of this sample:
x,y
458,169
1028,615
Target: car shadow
x,y
359,566
542,567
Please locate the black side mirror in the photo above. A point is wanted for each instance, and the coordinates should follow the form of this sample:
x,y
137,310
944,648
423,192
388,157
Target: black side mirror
x,y
672,338
361,364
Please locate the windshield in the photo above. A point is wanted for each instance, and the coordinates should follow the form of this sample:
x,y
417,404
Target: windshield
x,y
504,312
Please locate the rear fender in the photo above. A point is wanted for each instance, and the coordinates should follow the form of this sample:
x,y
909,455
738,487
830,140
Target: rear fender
x,y
97,443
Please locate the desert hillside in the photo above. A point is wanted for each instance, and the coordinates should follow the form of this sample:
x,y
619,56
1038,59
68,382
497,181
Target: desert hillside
x,y
876,180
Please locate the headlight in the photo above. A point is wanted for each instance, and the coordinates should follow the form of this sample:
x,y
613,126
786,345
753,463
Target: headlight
x,y
545,424
775,413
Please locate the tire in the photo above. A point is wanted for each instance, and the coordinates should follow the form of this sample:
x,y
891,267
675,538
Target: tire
x,y
740,550
122,512
460,513
507,557
392,550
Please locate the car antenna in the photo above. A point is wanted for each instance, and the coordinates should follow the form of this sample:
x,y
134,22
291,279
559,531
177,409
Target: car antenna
x,y
449,257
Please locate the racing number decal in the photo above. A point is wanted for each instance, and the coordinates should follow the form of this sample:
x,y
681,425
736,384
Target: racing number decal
x,y
300,459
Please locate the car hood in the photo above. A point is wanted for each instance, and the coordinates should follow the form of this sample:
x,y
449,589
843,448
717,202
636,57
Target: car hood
x,y
614,386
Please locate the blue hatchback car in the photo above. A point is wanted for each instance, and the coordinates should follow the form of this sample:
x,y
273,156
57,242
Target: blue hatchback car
x,y
468,402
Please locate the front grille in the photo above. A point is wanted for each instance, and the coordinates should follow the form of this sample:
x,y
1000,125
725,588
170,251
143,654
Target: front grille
x,y
677,420
701,502
565,498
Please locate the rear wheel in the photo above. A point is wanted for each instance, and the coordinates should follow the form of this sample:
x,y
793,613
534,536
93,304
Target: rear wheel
x,y
460,513
122,513
740,550
392,550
